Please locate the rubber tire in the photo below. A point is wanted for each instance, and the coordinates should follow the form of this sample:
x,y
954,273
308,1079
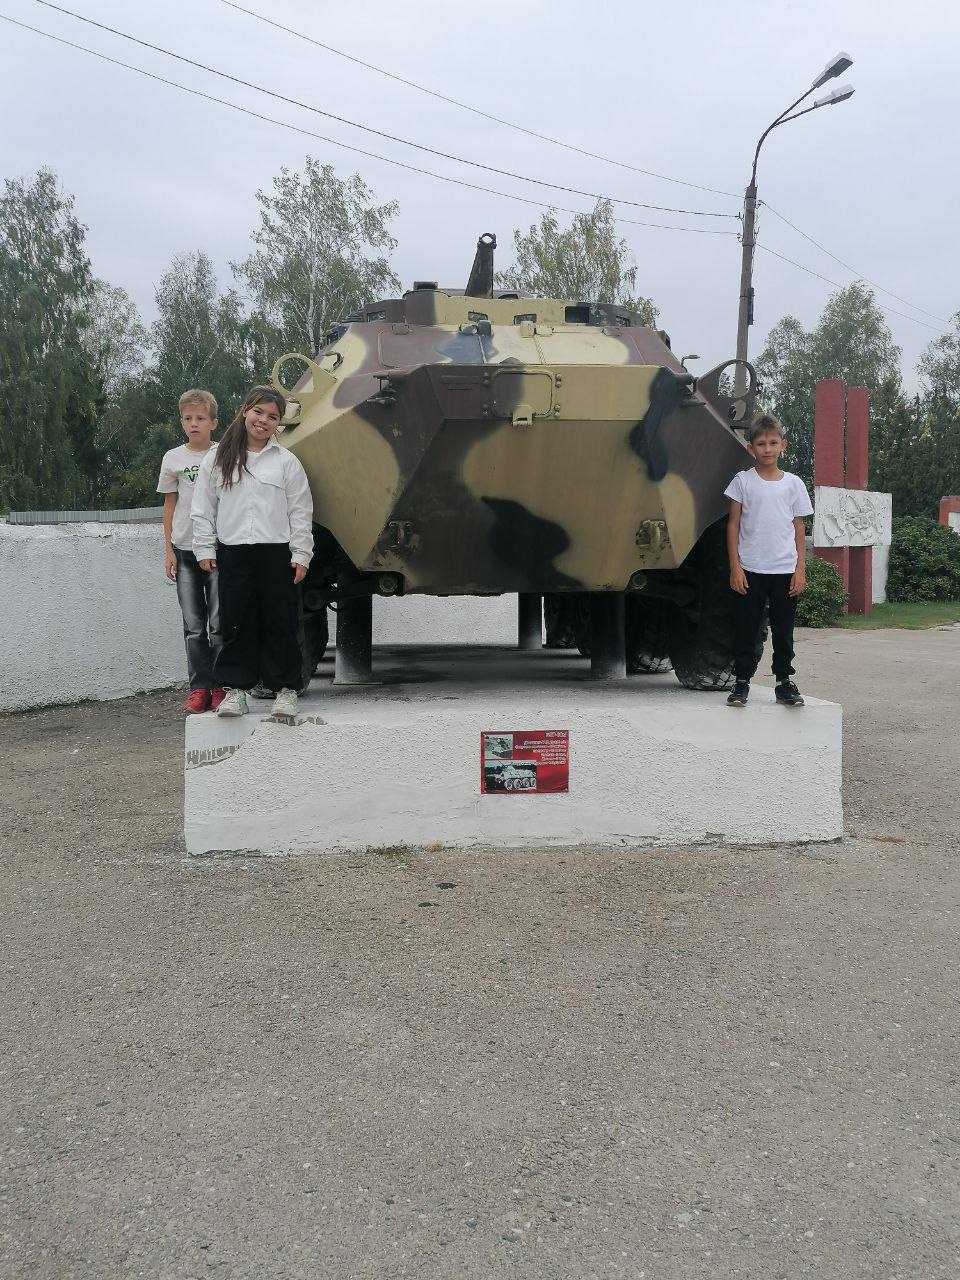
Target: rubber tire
x,y
314,636
702,650
649,626
563,616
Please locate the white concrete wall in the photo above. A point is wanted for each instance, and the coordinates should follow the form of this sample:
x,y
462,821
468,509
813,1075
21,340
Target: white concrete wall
x,y
87,613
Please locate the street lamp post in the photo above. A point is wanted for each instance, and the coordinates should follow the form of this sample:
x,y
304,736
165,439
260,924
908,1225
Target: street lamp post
x,y
835,67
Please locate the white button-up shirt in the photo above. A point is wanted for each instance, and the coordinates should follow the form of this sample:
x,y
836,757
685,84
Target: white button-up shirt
x,y
270,502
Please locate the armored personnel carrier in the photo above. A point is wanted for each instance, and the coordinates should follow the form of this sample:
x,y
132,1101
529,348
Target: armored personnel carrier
x,y
477,442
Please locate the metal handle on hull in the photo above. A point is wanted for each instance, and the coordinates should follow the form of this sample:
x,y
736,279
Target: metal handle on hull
x,y
321,380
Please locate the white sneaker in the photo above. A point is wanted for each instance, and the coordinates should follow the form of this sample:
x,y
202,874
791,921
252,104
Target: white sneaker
x,y
234,703
285,707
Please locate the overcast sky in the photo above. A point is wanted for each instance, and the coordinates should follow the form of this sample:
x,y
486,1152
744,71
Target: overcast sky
x,y
684,89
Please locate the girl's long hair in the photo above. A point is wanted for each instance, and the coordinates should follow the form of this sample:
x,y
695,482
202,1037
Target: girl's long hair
x,y
231,456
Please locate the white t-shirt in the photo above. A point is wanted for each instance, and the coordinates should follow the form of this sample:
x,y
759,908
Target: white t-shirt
x,y
178,474
767,543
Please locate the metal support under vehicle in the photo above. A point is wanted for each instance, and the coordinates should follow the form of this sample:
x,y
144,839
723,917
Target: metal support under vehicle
x,y
354,658
608,648
529,620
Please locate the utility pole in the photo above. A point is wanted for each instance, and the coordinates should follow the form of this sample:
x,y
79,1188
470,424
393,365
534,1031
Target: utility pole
x,y
745,315
835,67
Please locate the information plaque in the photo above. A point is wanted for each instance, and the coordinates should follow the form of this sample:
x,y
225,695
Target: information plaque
x,y
524,762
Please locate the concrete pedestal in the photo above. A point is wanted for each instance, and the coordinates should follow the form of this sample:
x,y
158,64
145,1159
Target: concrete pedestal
x,y
398,762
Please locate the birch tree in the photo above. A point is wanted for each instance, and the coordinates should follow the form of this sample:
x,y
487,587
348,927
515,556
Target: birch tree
x,y
587,262
320,252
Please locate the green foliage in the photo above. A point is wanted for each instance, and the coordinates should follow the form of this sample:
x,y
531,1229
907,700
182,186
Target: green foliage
x,y
939,366
914,443
586,263
52,390
93,394
851,341
319,254
924,561
915,452
918,457
824,600
115,339
197,340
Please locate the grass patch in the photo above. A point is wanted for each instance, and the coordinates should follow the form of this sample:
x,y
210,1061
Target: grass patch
x,y
397,855
914,615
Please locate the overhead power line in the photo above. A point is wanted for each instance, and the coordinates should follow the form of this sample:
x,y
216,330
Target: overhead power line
x,y
558,142
310,133
380,133
837,285
859,274
466,106
459,182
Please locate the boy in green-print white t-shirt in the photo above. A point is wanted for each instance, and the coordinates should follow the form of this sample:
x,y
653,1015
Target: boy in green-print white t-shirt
x,y
196,590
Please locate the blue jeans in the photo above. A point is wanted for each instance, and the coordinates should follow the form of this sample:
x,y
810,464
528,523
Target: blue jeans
x,y
199,598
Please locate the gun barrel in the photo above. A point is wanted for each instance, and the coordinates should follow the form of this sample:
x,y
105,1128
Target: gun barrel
x,y
480,284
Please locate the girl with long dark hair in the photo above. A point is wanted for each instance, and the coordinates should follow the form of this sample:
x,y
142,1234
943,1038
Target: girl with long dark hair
x,y
253,522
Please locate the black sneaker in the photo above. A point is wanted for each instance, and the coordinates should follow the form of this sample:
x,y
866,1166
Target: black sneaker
x,y
739,694
789,694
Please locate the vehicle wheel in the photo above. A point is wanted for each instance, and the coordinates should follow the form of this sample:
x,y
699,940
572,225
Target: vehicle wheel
x,y
649,624
562,620
314,632
701,640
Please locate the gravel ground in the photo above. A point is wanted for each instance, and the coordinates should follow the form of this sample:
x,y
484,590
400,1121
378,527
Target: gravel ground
x,y
655,1063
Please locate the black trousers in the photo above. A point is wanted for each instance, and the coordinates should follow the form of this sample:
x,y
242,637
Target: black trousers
x,y
771,589
198,594
258,618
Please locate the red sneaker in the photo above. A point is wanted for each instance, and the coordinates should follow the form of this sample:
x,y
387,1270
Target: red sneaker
x,y
216,697
199,700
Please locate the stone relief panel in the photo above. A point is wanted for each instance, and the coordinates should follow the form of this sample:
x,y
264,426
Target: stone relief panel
x,y
851,517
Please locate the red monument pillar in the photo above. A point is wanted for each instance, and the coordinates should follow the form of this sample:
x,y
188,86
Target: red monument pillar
x,y
829,463
860,565
841,458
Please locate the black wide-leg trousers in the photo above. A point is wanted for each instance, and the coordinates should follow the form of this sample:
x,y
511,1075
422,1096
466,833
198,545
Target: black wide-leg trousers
x,y
259,618
771,589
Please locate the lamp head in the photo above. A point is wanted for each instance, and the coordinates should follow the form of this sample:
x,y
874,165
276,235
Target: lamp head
x,y
840,94
835,67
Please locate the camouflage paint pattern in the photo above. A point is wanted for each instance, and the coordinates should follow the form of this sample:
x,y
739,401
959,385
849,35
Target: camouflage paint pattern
x,y
496,444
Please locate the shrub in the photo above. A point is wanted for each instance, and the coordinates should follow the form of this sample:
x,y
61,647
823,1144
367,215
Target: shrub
x,y
823,602
924,561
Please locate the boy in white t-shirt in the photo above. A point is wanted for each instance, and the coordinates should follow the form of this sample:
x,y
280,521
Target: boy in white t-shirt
x,y
196,590
767,550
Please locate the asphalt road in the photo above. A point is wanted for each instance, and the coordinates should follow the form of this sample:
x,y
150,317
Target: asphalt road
x,y
658,1063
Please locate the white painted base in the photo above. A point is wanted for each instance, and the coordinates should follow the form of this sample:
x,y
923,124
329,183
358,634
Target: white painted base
x,y
399,763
